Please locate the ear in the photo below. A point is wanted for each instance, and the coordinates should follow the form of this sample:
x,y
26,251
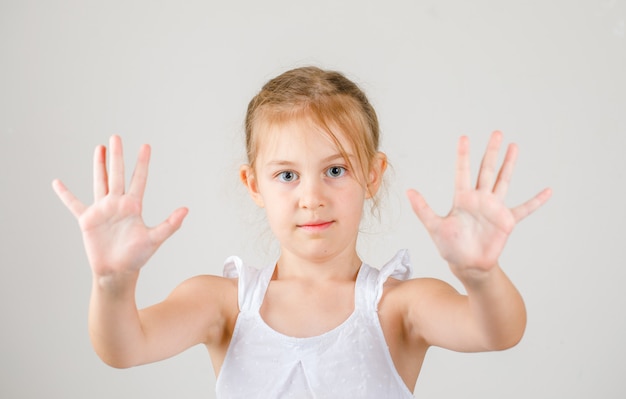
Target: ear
x,y
377,171
247,177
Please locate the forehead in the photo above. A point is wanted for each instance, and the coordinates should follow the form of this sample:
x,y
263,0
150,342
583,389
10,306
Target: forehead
x,y
299,138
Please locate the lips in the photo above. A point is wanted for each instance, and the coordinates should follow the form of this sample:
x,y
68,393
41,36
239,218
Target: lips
x,y
316,225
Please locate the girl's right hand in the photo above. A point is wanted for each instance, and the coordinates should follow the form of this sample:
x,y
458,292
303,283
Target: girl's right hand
x,y
117,241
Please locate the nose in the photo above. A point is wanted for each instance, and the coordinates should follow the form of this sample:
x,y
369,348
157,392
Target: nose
x,y
312,193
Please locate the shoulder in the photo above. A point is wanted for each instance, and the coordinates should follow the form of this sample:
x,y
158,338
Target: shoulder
x,y
206,286
401,291
214,294
209,298
408,301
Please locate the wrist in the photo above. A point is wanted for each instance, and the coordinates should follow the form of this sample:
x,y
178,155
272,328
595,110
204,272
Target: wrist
x,y
116,284
475,277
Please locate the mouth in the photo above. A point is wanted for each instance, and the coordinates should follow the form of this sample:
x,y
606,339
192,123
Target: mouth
x,y
315,226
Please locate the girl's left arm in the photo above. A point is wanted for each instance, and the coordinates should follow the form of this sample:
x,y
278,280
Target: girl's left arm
x,y
471,238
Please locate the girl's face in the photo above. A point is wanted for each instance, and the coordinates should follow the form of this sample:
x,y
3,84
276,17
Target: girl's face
x,y
313,200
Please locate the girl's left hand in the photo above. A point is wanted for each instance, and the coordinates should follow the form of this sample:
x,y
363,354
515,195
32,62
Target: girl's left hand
x,y
472,236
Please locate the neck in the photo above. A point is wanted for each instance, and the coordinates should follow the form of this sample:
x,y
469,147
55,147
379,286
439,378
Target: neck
x,y
341,267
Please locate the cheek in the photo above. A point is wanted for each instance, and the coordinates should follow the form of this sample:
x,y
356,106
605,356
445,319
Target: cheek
x,y
277,208
352,203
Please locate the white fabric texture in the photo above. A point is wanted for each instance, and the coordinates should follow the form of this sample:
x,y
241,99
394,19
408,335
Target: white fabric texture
x,y
351,360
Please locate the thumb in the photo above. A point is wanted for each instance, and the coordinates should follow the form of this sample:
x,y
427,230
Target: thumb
x,y
169,226
422,210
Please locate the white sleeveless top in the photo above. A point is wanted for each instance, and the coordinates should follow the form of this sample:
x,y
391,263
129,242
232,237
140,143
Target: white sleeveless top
x,y
349,361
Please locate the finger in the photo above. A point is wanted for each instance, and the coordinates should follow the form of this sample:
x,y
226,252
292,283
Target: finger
x,y
522,211
100,179
69,200
506,172
463,175
116,170
487,173
422,210
164,230
140,175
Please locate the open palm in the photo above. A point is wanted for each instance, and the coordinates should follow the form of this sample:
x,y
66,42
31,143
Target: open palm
x,y
115,236
472,236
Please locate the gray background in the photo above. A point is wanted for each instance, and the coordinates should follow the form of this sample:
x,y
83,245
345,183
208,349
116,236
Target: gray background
x,y
178,75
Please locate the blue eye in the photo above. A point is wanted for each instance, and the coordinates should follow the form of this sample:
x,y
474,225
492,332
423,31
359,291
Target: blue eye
x,y
287,176
335,171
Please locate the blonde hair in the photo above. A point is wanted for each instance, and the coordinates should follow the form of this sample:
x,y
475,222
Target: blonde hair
x,y
329,100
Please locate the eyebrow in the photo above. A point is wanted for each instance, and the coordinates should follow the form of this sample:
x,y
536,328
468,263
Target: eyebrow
x,y
280,162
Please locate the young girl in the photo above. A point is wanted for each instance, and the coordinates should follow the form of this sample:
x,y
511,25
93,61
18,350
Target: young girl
x,y
318,322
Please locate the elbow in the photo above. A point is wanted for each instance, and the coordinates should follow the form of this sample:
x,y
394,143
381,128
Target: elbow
x,y
508,339
516,339
118,362
115,353
118,359
510,332
506,343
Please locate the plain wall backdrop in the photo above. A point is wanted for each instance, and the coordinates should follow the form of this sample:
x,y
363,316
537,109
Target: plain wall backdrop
x,y
179,74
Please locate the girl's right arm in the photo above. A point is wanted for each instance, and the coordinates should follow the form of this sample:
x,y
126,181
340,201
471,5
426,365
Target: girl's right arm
x,y
118,244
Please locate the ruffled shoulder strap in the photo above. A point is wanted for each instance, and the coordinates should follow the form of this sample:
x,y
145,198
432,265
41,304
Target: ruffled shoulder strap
x,y
399,267
252,282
